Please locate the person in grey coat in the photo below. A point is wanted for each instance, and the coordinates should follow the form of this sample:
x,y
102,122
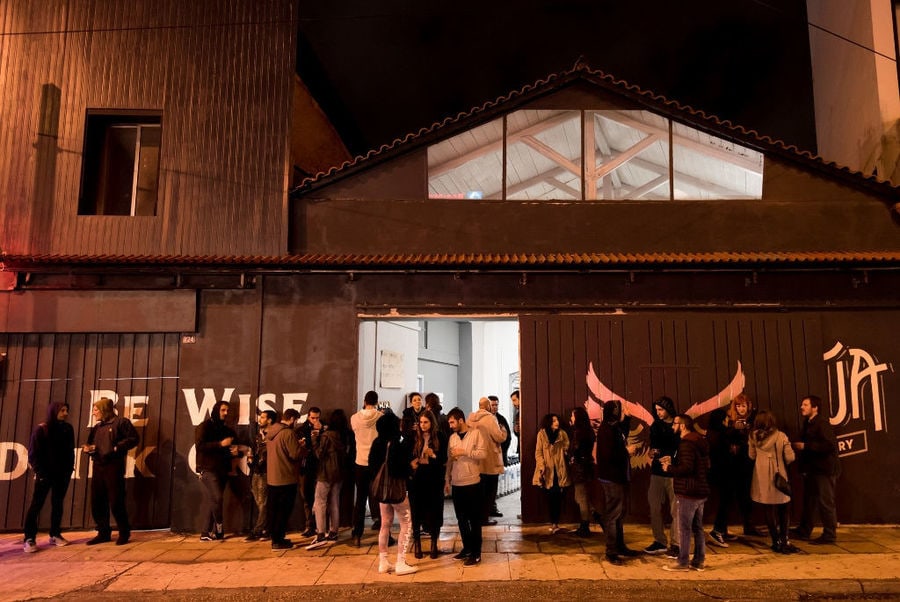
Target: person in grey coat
x,y
771,452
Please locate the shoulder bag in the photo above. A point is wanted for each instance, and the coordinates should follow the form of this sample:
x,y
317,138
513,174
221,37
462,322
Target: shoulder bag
x,y
386,488
782,484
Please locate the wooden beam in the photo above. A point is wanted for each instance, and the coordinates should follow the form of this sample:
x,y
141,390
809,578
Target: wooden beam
x,y
640,191
576,194
531,130
552,154
589,161
515,189
711,151
625,156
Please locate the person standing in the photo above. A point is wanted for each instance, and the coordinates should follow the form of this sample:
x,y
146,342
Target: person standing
x,y
735,475
581,465
690,469
283,453
433,403
550,472
820,468
257,461
363,425
504,426
517,423
663,442
771,453
426,490
331,449
492,464
51,455
409,421
466,449
309,432
614,474
108,443
215,449
390,451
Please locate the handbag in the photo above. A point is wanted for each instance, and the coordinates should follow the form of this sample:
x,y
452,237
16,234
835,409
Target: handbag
x,y
781,482
386,488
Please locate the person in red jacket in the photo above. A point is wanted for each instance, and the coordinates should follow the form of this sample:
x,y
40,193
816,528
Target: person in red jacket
x,y
690,469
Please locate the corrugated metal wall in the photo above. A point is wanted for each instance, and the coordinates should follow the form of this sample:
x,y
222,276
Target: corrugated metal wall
x,y
689,357
220,73
143,371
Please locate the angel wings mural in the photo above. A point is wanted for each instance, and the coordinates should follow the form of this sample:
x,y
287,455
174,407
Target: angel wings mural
x,y
598,393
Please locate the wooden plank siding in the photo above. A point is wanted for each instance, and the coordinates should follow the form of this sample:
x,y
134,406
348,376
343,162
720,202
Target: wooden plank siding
x,y
66,367
689,357
220,74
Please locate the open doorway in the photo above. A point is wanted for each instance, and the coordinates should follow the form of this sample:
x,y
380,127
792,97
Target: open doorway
x,y
459,359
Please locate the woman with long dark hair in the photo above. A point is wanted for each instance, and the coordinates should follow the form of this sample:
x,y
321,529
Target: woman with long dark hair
x,y
581,465
426,490
550,473
389,449
771,453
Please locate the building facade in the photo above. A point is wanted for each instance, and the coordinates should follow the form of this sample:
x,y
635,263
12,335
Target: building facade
x,y
644,247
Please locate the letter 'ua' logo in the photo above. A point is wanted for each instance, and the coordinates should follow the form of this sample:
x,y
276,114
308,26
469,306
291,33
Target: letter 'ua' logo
x,y
856,392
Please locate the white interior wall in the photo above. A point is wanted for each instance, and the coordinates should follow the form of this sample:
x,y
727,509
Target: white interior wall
x,y
398,336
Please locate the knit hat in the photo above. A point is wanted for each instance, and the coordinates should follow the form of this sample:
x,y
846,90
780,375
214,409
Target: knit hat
x,y
667,404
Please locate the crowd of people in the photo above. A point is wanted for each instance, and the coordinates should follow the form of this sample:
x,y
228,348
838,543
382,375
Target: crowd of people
x,y
742,456
402,468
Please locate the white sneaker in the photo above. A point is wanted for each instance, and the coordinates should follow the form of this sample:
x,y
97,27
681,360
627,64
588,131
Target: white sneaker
x,y
30,547
384,566
59,541
404,569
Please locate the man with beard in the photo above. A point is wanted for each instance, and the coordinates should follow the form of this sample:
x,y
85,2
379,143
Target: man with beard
x,y
614,474
215,449
283,452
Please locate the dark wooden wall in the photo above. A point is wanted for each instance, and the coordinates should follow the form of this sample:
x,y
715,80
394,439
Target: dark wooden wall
x,y
41,368
220,73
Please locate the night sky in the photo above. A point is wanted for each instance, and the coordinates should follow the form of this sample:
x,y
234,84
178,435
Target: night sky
x,y
386,68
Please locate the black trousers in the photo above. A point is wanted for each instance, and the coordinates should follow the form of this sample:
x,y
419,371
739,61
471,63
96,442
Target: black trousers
x,y
362,478
56,486
613,515
490,482
281,504
468,503
818,494
214,494
108,493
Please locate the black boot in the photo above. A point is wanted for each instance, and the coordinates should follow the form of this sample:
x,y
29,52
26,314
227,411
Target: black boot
x,y
417,547
434,549
584,529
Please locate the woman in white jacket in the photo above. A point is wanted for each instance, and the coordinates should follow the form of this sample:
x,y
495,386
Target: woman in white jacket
x,y
771,452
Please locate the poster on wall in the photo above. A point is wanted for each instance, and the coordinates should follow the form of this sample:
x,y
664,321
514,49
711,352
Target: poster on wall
x,y
391,369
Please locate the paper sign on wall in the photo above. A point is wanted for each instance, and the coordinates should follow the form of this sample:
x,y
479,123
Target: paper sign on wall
x,y
391,369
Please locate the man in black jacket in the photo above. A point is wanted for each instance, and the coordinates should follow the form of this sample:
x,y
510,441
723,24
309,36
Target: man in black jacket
x,y
108,443
663,442
614,473
51,454
820,469
690,468
215,449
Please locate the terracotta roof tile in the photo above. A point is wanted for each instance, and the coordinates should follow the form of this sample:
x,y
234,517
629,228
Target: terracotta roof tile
x,y
581,70
450,261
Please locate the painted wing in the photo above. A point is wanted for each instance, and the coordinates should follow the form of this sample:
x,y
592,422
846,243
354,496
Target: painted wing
x,y
723,398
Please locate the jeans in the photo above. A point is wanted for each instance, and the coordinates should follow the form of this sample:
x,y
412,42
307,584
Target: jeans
x,y
468,504
328,506
213,494
818,493
308,491
613,514
260,497
690,522
662,491
56,486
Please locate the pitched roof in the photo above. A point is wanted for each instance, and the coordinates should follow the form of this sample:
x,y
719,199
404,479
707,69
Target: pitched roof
x,y
582,72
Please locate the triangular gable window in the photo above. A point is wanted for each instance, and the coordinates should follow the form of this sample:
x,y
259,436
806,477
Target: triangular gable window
x,y
592,155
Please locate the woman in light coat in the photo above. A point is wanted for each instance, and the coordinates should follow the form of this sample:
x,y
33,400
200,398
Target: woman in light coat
x,y
550,471
771,452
